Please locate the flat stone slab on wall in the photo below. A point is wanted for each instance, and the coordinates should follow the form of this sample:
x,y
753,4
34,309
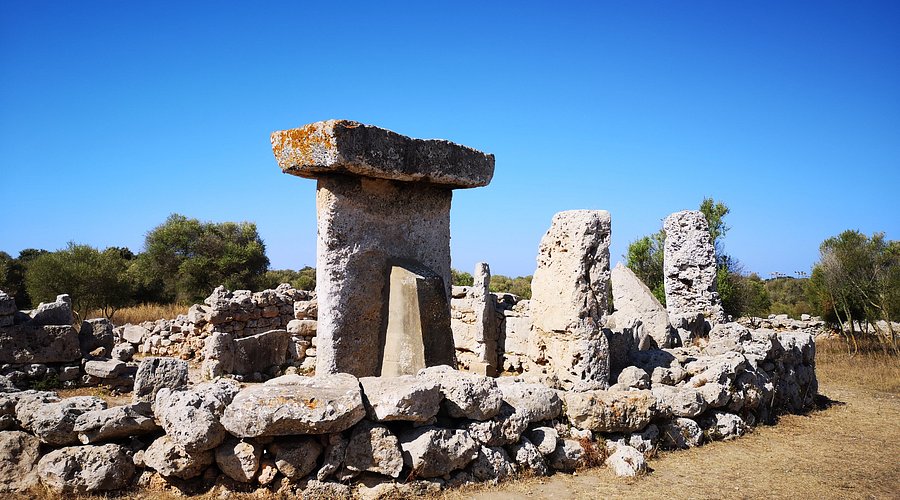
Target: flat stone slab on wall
x,y
348,147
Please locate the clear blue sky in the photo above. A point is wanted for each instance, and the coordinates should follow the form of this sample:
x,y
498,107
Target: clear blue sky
x,y
115,114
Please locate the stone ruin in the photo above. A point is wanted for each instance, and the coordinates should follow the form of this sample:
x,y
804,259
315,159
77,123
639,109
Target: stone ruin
x,y
387,413
383,246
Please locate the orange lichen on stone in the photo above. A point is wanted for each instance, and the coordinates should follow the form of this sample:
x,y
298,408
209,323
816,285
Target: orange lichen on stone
x,y
301,146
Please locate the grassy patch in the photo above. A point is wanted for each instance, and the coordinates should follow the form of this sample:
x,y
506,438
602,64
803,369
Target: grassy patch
x,y
143,312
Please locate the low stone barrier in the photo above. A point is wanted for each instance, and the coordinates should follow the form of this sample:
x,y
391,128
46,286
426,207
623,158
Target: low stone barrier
x,y
336,435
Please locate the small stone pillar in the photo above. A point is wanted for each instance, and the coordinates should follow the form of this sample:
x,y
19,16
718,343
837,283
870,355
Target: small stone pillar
x,y
689,268
382,202
473,321
569,299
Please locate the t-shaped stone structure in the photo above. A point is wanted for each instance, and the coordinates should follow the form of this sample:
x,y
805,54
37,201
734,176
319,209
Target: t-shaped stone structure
x,y
383,246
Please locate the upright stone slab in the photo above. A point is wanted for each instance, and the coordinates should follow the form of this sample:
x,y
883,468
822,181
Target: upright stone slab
x,y
382,200
474,326
689,267
418,325
632,300
569,299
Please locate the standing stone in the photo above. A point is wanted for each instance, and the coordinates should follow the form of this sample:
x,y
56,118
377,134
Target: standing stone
x,y
418,325
569,299
689,262
633,300
382,200
475,333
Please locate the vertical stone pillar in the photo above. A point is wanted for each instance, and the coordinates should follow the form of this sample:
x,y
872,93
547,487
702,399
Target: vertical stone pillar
x,y
383,201
569,299
689,268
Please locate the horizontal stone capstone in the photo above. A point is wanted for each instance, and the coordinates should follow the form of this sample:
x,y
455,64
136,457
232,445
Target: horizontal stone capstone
x,y
348,147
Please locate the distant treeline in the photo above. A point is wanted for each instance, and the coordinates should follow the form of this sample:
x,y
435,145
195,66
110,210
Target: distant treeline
x,y
183,259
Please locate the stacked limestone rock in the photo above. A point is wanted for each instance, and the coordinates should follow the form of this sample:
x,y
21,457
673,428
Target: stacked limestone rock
x,y
238,315
42,347
382,437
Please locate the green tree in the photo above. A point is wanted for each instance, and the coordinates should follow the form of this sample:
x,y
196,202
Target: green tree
x,y
520,285
93,279
305,279
857,278
184,259
715,212
12,275
461,278
645,259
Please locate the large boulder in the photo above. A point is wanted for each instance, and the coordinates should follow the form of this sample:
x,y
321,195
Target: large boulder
x,y
260,352
105,368
192,418
679,401
569,299
170,459
492,464
19,453
54,423
633,300
96,333
627,461
680,433
433,452
58,312
293,404
239,459
534,402
154,374
403,398
296,457
373,448
610,411
114,423
466,395
86,469
28,343
134,334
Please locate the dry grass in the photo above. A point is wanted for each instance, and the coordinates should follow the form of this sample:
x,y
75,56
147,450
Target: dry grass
x,y
143,312
871,368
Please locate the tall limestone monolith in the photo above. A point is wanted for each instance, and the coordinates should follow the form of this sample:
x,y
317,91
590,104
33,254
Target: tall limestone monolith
x,y
382,202
569,299
689,269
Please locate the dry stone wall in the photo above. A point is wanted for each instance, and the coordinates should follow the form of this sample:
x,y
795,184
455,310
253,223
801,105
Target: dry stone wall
x,y
381,437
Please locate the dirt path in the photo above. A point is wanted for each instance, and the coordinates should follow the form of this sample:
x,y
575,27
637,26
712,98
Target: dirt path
x,y
849,450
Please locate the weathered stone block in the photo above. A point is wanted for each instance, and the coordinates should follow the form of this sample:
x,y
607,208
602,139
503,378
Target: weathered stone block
x,y
260,352
569,299
418,330
347,147
689,269
633,300
292,404
26,343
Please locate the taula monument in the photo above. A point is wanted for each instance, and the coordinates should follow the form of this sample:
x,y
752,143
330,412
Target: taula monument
x,y
382,384
383,246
